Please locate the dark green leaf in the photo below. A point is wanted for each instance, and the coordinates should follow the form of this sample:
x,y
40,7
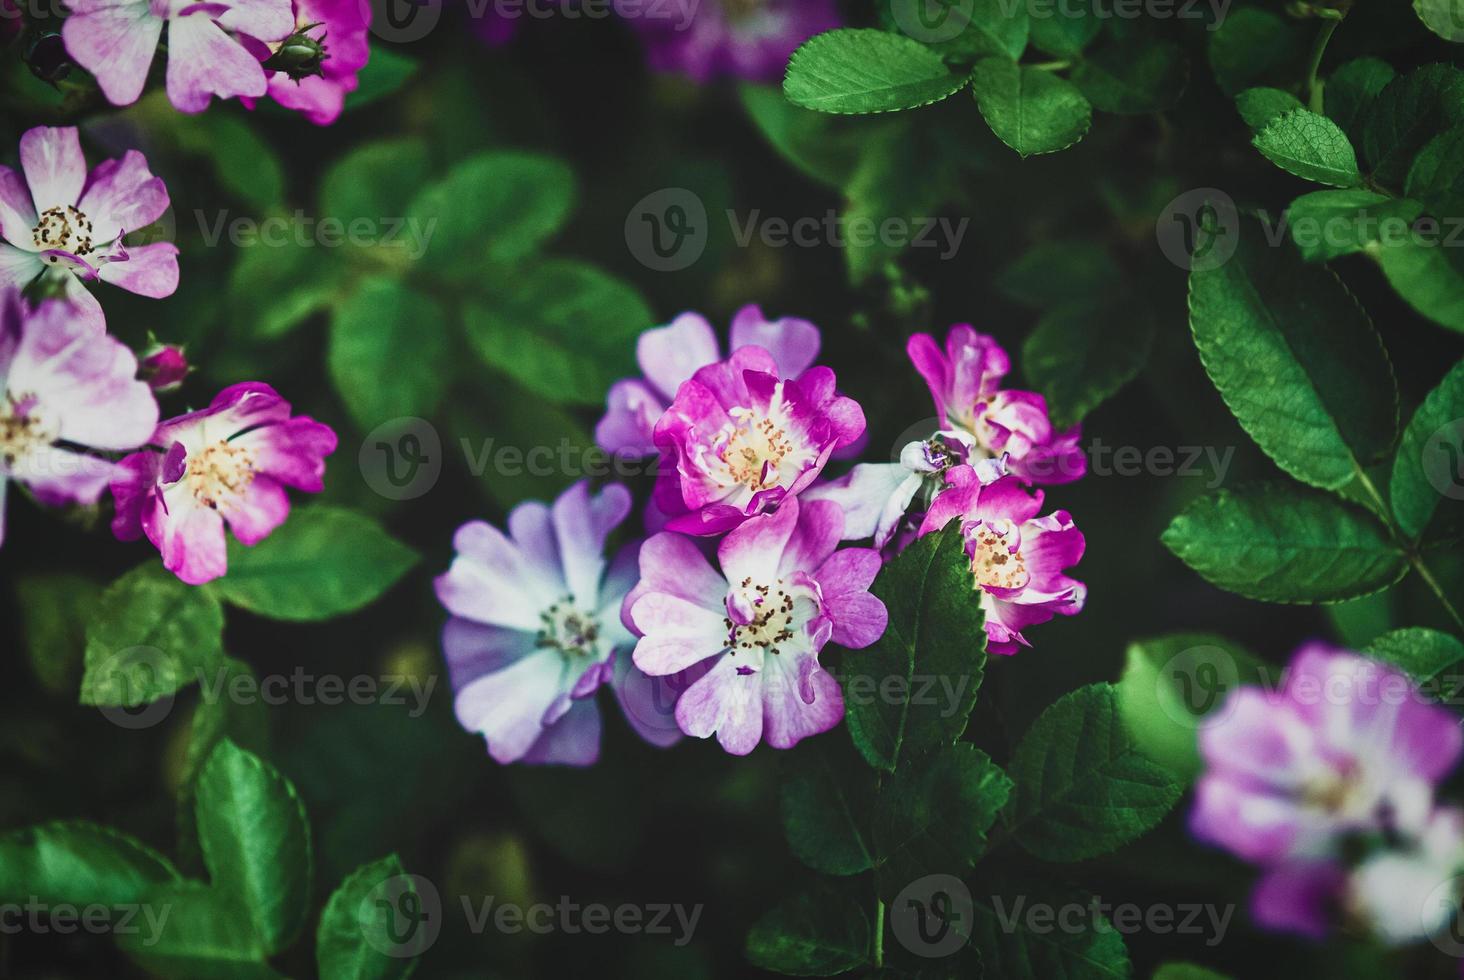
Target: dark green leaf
x,y
274,290
205,936
1437,175
1422,653
389,354
1259,105
383,75
818,932
1350,91
1186,971
815,143
78,863
1253,46
1428,274
54,612
1406,114
1063,30
1133,77
1030,110
1311,146
352,934
1444,17
827,796
859,70
1428,465
376,181
1016,946
1328,224
1079,356
1058,273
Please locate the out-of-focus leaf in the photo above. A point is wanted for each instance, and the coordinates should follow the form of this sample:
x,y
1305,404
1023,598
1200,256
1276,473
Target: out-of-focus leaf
x,y
55,610
818,932
352,935
390,355
78,863
1429,455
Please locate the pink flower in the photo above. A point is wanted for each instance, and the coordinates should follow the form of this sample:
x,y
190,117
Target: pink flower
x,y
115,40
745,39
61,221
783,591
965,382
670,355
230,462
323,56
536,626
743,441
163,367
1018,559
65,385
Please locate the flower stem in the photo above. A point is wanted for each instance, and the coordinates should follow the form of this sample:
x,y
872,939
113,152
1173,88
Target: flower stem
x,y
1414,558
1313,84
879,917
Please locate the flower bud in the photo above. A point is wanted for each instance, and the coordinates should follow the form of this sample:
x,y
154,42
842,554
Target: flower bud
x,y
163,367
300,55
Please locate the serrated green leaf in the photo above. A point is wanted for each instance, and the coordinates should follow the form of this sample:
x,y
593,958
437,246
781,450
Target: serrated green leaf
x,y
1310,146
1083,788
1406,114
78,863
1296,359
1422,653
1350,91
858,70
1259,105
1282,543
962,30
1428,461
817,932
827,796
389,355
1079,356
151,636
1444,17
1328,224
1030,110
580,323
914,688
255,842
1428,274
348,943
1133,77
323,562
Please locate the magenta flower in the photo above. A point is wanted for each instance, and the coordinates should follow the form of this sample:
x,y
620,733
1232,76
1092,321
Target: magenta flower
x,y
742,441
163,367
66,385
1018,559
670,355
63,222
228,463
326,52
536,626
115,40
783,591
746,39
1346,751
965,382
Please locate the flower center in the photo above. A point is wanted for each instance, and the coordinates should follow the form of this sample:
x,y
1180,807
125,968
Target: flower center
x,y
996,556
219,471
758,449
568,629
64,229
773,619
21,430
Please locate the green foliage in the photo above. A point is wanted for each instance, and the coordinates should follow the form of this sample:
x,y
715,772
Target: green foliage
x,y
56,610
827,796
859,71
1030,110
343,950
370,333
1328,224
1133,77
1406,114
1259,105
1422,653
1311,146
78,863
817,932
1078,356
1012,948
1350,92
1424,465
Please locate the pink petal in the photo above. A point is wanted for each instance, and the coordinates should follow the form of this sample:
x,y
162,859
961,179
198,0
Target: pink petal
x,y
17,267
725,702
573,740
794,343
800,699
54,166
115,42
581,525
204,61
189,535
755,549
267,20
149,270
671,354
123,195
676,633
17,212
631,412
507,707
252,515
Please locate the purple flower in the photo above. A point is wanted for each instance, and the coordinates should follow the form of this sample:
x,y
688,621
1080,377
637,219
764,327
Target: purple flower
x,y
783,591
747,39
1019,559
536,626
670,355
163,367
230,462
115,40
742,441
65,385
965,382
61,221
341,28
1300,779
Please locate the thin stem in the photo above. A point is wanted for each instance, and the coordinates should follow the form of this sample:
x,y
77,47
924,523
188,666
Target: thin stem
x,y
1313,84
1428,577
879,917
1050,65
1414,558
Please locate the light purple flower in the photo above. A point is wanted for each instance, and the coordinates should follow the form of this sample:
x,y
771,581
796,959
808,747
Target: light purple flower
x,y
670,355
228,463
60,221
1019,559
65,385
342,28
783,591
745,39
115,40
536,626
741,441
965,383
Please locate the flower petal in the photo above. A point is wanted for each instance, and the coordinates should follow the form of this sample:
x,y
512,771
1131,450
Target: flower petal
x,y
54,166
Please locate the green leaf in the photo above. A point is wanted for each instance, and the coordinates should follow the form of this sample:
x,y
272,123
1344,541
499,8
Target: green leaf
x,y
274,290
1296,359
151,636
78,863
1328,224
205,936
1059,273
54,612
1351,90
1406,114
1428,460
1428,275
855,70
384,74
815,143
495,207
244,163
1133,77
1170,684
376,180
914,688
1030,110
352,934
1013,949
1082,786
1310,146
1253,46
933,816
1259,105
1437,175
1281,543
1079,356
1444,17
984,27
389,354
323,562
827,796
817,932
879,189
1063,30
256,842
580,323
1422,653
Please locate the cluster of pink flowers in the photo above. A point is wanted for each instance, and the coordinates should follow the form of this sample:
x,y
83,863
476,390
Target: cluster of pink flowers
x,y
72,393
1328,784
743,442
